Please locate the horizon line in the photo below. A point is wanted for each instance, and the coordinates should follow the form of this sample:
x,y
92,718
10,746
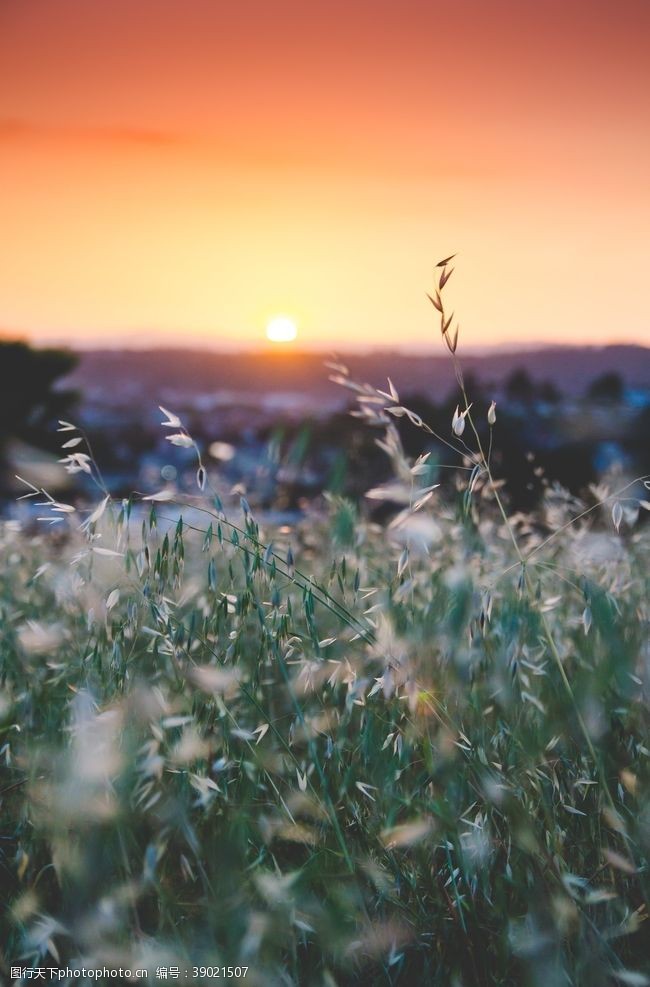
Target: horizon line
x,y
263,348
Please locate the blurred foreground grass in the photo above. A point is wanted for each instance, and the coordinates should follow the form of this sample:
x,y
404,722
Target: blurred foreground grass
x,y
377,776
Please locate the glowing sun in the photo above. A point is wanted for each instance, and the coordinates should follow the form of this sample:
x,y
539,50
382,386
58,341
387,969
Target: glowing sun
x,y
281,330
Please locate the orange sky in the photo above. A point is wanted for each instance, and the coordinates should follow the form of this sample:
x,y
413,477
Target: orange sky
x,y
182,170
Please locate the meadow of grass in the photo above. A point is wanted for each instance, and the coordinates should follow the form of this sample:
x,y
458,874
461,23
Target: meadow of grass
x,y
413,752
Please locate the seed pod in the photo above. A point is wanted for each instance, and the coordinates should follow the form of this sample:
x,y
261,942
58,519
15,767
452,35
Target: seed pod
x,y
492,414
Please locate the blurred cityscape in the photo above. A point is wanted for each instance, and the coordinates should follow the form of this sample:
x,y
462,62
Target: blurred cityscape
x,y
274,423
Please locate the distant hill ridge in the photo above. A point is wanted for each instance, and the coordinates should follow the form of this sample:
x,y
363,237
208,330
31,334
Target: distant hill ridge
x,y
570,369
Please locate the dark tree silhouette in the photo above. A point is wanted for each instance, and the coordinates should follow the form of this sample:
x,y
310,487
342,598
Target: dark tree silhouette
x,y
519,388
548,392
606,389
30,403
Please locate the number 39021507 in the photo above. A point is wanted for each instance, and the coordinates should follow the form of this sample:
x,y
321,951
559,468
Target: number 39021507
x,y
220,972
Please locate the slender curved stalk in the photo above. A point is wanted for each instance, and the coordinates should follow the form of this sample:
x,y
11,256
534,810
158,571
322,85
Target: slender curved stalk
x,y
304,581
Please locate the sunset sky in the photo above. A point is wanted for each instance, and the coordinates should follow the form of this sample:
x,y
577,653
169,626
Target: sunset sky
x,y
184,170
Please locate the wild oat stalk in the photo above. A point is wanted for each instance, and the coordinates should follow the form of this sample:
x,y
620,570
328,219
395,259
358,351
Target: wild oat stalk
x,y
375,403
